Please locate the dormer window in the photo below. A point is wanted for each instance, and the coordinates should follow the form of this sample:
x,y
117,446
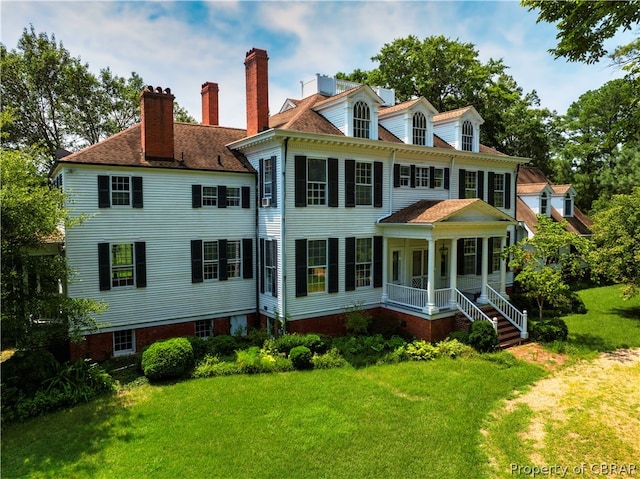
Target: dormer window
x,y
361,120
544,204
568,205
467,136
419,129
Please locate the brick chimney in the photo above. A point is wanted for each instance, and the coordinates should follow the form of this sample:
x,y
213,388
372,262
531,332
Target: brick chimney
x,y
156,112
256,70
209,103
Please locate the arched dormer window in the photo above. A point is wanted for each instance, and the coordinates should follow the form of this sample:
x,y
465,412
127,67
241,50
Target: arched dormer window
x,y
467,136
419,129
544,204
361,120
568,205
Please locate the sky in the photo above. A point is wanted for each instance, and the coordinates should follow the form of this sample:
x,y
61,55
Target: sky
x,y
182,44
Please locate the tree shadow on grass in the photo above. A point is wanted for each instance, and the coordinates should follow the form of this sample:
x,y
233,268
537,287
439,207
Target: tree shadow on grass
x,y
632,312
590,342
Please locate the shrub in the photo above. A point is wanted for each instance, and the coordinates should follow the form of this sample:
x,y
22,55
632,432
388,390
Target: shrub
x,y
329,360
549,330
199,345
167,359
212,366
222,345
384,324
286,343
452,348
27,370
300,357
256,360
419,350
460,336
483,337
357,319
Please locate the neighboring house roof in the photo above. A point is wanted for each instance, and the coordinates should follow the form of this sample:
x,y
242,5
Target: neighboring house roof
x,y
579,223
526,215
429,211
198,147
531,189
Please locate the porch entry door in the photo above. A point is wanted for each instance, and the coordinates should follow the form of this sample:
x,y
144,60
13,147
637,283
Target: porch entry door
x,y
419,265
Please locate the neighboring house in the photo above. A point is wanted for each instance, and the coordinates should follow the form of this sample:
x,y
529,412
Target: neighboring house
x,y
341,198
538,196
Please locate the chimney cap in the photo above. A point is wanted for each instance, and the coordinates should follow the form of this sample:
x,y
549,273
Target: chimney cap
x,y
256,52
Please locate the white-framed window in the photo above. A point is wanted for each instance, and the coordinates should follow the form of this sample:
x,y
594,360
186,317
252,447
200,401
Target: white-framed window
x,y
316,266
438,177
470,184
422,177
364,183
204,328
498,190
361,120
317,181
467,136
120,190
419,129
496,254
405,175
233,196
395,266
568,205
544,204
270,260
124,342
364,261
122,265
469,257
210,259
267,178
209,196
234,259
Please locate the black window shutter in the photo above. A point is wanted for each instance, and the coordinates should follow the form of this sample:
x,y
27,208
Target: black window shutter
x,y
261,181
478,256
301,267
507,190
492,188
196,196
396,175
137,191
141,264
349,183
104,193
274,183
480,184
490,256
333,265
432,177
223,270
461,176
412,182
104,266
460,248
262,264
300,173
197,274
377,184
247,258
350,264
246,197
447,174
222,196
332,174
377,261
274,262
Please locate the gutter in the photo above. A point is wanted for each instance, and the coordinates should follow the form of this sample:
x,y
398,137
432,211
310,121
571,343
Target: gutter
x,y
283,229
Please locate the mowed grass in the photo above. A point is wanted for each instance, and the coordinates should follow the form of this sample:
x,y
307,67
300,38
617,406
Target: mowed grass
x,y
406,420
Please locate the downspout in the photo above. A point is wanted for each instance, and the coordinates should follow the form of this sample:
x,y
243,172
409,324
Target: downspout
x,y
450,174
257,235
283,238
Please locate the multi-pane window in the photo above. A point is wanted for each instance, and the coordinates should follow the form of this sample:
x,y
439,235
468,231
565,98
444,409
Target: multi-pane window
x,y
405,175
123,342
364,183
317,182
544,204
233,196
204,328
498,190
209,196
210,259
467,136
364,258
120,190
270,258
496,254
122,266
316,266
469,257
419,129
361,120
568,205
395,266
422,177
267,178
438,178
470,184
234,259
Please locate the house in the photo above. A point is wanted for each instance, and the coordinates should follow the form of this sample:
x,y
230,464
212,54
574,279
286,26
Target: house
x,y
341,198
538,196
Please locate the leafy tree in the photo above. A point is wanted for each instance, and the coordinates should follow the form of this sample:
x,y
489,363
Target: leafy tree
x,y
584,25
616,237
543,262
34,312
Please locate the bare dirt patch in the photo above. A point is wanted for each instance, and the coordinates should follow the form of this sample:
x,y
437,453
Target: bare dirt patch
x,y
536,354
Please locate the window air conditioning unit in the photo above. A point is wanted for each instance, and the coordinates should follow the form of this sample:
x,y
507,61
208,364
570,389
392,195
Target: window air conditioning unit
x,y
266,202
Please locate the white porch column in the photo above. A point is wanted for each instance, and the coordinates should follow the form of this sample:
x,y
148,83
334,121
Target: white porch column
x,y
385,259
431,307
485,271
503,269
453,272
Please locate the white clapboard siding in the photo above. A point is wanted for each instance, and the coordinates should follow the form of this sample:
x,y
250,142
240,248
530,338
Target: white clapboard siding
x,y
448,132
397,125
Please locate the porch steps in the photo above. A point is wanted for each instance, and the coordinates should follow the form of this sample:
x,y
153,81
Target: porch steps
x,y
508,334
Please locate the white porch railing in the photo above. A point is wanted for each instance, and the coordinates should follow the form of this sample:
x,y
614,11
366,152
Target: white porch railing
x,y
471,311
417,297
508,310
468,283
